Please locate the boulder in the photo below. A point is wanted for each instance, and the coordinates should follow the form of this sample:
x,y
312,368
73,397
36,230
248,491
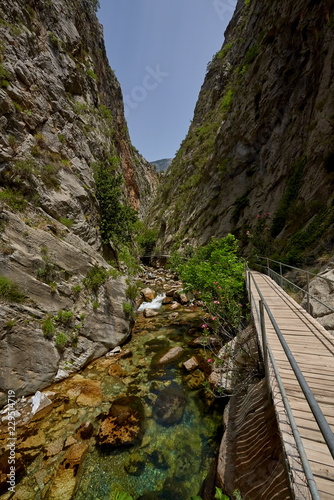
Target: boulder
x,y
84,431
171,355
167,300
181,297
191,364
169,406
170,291
122,425
173,315
150,313
148,294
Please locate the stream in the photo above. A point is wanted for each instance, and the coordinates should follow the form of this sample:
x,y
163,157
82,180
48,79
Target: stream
x,y
161,437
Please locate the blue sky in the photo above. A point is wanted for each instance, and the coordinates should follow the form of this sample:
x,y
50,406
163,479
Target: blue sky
x,y
159,50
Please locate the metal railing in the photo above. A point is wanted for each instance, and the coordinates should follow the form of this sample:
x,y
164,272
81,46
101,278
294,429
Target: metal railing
x,y
267,355
280,278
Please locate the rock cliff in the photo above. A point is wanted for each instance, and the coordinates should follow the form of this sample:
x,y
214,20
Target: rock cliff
x,y
61,115
259,155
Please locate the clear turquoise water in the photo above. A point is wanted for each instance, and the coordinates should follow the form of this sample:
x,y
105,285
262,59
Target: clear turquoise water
x,y
170,462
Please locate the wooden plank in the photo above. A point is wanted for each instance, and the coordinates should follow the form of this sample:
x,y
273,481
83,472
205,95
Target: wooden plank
x,y
313,348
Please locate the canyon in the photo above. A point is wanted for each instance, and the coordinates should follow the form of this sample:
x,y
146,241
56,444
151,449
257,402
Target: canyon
x,y
257,162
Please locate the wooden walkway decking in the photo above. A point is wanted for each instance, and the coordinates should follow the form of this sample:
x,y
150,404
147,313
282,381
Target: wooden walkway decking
x,y
313,348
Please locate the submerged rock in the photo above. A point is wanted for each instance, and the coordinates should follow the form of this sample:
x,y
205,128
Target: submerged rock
x,y
169,406
67,476
170,355
167,300
90,393
158,460
122,425
148,294
195,379
135,465
150,313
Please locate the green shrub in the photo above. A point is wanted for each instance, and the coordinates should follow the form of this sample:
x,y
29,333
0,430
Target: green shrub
x,y
55,41
121,495
61,340
252,53
219,495
14,199
95,278
105,112
66,222
49,175
131,291
53,285
146,238
76,289
117,218
227,100
48,327
91,74
128,309
129,259
64,317
4,76
9,291
216,273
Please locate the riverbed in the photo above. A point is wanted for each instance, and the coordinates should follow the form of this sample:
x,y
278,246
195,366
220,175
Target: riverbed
x,y
58,454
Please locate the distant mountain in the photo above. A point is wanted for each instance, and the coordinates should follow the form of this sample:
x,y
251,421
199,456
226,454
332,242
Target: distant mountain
x,y
162,165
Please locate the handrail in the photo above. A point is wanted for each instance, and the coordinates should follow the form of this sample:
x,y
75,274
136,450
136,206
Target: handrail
x,y
308,274
316,410
295,268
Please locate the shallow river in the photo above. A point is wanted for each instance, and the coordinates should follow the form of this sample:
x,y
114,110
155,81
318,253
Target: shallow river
x,y
173,454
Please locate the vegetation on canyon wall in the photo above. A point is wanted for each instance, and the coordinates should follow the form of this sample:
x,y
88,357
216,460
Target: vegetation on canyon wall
x,y
214,273
261,139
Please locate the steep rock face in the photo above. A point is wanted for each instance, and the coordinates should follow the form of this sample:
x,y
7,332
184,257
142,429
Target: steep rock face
x,y
61,113
261,140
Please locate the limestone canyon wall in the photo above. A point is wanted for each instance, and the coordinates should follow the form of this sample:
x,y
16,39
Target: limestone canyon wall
x,y
258,158
61,112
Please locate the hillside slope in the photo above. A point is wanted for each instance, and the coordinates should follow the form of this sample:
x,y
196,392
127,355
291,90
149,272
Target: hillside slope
x,y
258,159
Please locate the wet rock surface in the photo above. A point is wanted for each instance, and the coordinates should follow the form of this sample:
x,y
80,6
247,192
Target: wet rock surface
x,y
121,426
135,417
169,406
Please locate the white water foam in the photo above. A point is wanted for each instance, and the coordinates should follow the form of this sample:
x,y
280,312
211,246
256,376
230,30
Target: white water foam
x,y
154,304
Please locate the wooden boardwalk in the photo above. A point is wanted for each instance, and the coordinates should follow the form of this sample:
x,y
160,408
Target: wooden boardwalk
x,y
313,349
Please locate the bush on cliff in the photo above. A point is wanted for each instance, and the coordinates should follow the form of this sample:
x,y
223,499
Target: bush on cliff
x,y
9,291
117,218
215,273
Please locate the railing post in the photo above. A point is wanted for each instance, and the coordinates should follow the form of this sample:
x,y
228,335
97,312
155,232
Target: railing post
x,y
308,306
281,274
264,344
268,268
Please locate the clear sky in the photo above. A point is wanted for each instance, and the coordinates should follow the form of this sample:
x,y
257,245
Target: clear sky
x,y
159,50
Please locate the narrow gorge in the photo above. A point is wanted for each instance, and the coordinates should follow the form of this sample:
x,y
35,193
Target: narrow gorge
x,y
117,398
